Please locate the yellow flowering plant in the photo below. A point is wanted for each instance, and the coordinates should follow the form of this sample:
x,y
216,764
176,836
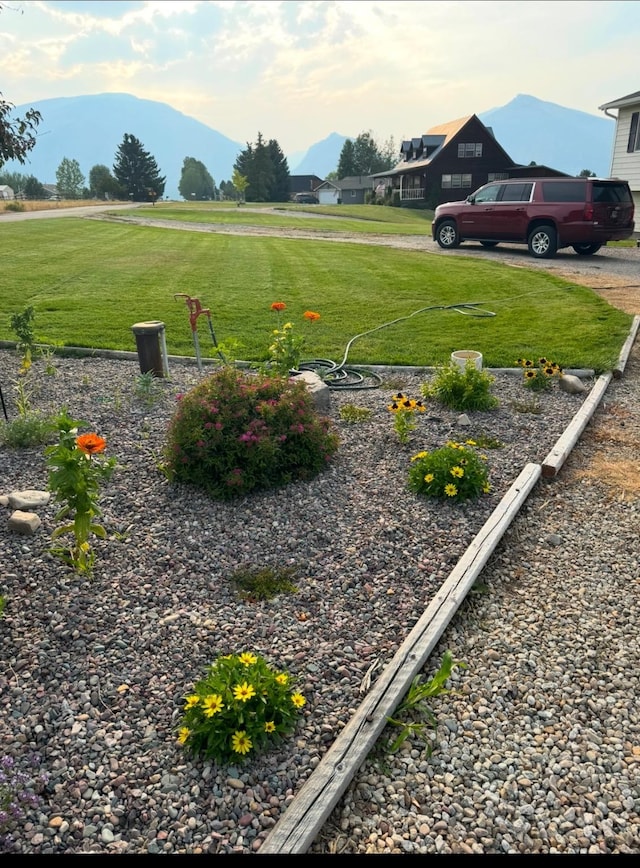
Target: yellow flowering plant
x,y
453,472
539,375
238,708
403,409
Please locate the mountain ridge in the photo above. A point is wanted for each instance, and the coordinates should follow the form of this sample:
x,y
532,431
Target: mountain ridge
x,y
90,128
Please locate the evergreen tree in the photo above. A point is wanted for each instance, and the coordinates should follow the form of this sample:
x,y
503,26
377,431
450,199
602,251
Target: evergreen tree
x,y
102,184
364,157
137,171
347,163
281,187
69,179
266,171
195,181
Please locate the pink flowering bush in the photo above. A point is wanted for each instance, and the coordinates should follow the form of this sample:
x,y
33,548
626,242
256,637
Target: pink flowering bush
x,y
238,432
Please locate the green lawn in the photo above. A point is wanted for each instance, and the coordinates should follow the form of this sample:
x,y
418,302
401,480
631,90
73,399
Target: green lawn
x,y
90,281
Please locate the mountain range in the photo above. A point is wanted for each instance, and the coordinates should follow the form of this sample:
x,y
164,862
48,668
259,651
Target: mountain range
x,y
89,129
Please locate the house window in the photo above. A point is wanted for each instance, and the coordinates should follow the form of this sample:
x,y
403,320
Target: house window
x,y
634,133
497,176
469,149
449,181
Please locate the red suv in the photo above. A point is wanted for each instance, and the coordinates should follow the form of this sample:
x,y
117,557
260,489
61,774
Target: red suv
x,y
546,214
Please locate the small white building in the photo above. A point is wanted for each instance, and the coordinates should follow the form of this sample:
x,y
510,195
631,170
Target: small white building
x,y
6,192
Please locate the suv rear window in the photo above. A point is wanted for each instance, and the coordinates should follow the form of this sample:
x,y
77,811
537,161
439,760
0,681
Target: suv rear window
x,y
564,191
611,193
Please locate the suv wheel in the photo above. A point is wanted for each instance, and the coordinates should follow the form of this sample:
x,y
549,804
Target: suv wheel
x,y
447,235
543,242
586,249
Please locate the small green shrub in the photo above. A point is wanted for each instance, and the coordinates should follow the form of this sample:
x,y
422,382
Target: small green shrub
x,y
14,206
32,429
404,409
264,583
238,432
462,390
352,414
238,708
453,472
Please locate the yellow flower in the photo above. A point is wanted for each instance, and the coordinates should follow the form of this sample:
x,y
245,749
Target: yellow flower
x,y
486,488
428,477
192,700
269,726
240,742
419,455
450,490
248,659
243,692
457,471
282,678
298,699
212,704
184,734
471,442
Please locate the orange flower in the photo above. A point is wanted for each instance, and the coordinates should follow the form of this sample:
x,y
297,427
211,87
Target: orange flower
x,y
278,305
90,443
311,315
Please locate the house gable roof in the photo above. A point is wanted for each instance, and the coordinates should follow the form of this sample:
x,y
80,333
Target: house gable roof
x,y
622,102
441,135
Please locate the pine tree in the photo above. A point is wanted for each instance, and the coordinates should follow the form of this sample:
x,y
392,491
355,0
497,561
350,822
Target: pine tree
x,y
137,171
281,187
346,163
266,171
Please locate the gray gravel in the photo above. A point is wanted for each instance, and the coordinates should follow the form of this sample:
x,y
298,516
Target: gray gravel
x,y
537,752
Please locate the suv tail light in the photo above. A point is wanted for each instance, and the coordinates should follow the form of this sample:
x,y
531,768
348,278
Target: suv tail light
x,y
588,211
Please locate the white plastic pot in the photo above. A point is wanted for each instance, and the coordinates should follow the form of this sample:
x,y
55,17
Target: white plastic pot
x,y
461,357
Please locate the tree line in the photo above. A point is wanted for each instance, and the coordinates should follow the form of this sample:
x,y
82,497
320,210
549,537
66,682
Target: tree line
x,y
260,172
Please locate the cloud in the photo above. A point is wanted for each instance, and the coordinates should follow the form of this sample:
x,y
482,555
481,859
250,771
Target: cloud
x,y
298,70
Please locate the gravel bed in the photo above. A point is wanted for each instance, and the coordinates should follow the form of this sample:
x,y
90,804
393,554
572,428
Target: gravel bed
x,y
94,671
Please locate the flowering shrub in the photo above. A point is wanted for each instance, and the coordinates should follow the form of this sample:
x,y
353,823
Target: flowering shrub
x,y
403,410
285,350
453,472
236,432
462,390
19,792
538,376
238,708
75,475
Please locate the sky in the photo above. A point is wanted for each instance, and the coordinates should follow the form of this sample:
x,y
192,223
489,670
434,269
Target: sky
x,y
298,70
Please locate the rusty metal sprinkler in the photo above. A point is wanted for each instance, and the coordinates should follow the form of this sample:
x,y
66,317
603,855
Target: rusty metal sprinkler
x,y
196,310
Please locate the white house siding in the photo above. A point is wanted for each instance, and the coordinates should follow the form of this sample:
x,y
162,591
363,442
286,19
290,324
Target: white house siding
x,y
623,164
328,195
6,192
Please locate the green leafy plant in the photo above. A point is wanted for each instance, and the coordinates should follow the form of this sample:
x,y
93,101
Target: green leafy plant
x,y
237,432
148,389
19,793
22,325
75,474
404,410
532,405
414,703
452,472
3,603
285,350
29,428
264,583
238,708
352,414
539,375
457,389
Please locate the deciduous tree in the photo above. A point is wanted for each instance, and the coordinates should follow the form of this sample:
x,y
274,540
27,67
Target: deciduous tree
x,y
102,184
69,179
195,181
17,135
